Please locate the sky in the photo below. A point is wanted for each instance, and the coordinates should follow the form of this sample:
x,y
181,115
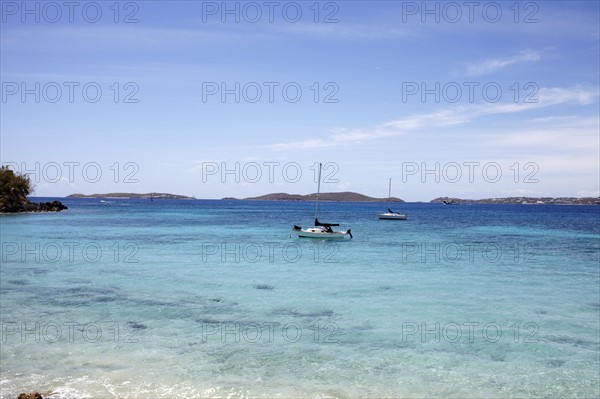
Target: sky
x,y
240,99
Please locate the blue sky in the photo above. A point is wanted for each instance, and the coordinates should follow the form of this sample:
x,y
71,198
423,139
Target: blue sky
x,y
465,99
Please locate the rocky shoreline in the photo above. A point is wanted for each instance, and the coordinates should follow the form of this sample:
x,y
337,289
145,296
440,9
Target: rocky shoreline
x,y
31,207
34,395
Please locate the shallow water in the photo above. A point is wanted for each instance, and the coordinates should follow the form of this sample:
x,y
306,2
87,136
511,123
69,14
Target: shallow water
x,y
133,298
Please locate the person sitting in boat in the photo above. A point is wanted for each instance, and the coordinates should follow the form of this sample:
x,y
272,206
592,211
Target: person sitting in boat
x,y
328,229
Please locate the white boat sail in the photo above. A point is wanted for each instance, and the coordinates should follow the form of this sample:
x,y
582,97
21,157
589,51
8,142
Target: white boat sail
x,y
391,215
321,230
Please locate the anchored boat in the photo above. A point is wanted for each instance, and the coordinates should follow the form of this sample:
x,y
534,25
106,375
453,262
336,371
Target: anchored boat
x,y
321,230
391,215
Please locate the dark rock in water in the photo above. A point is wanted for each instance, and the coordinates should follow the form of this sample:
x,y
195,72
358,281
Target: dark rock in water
x,y
209,321
297,313
136,326
263,287
18,282
555,362
7,206
54,206
35,395
322,313
570,340
105,299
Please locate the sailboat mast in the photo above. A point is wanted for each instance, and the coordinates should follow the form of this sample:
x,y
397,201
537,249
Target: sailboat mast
x,y
390,191
318,192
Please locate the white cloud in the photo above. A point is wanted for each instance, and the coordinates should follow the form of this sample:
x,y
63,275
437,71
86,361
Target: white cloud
x,y
578,134
496,64
445,117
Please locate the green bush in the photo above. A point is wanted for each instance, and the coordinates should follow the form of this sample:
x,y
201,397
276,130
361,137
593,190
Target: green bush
x,y
14,189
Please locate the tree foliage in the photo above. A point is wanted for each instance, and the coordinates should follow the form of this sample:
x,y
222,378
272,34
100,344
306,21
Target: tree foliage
x,y
14,184
14,188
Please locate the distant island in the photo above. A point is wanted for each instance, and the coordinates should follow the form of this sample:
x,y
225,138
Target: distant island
x,y
522,200
132,195
356,197
346,196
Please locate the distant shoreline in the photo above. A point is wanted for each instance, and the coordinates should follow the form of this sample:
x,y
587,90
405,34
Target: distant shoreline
x,y
131,196
346,196
357,197
521,201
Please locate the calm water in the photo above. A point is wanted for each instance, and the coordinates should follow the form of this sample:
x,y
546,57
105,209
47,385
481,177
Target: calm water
x,y
132,298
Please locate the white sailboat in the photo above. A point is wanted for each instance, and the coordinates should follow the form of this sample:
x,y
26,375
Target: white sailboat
x,y
321,230
391,215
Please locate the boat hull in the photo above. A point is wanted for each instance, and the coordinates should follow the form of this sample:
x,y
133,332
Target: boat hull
x,y
391,216
320,233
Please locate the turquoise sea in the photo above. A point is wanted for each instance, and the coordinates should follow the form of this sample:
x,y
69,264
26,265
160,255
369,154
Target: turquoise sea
x,y
200,298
